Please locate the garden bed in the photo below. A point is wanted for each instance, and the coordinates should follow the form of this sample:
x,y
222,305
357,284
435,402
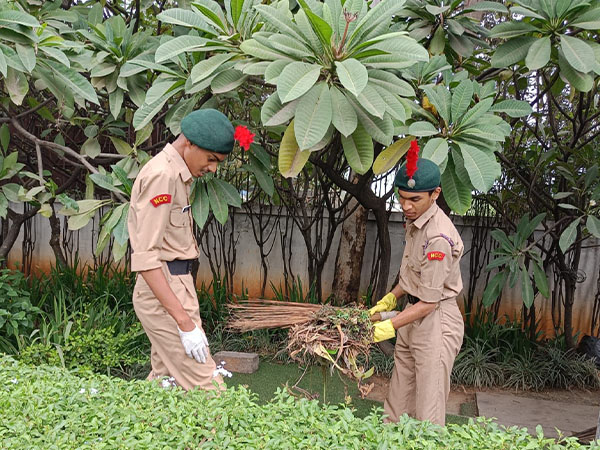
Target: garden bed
x,y
48,407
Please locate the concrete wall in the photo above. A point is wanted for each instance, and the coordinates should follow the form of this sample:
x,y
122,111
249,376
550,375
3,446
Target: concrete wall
x,y
248,265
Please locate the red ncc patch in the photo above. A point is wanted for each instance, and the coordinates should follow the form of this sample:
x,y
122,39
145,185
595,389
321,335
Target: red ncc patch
x,y
435,255
160,199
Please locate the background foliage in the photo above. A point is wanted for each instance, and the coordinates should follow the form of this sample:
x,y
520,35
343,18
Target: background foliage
x,y
503,96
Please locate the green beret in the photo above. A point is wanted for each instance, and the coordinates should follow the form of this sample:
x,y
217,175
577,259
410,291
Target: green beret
x,y
426,177
208,129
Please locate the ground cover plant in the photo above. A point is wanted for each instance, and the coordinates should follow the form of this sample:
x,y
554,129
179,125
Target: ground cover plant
x,y
48,407
500,353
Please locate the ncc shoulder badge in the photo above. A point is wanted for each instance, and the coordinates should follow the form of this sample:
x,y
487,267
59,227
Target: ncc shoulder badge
x,y
160,199
435,256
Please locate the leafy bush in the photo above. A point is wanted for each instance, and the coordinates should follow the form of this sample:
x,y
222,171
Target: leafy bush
x,y
543,366
111,284
102,349
82,317
525,372
48,407
16,310
507,338
37,354
475,365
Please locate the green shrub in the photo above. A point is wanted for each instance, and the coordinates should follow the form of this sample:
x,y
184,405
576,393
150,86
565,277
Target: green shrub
x,y
17,313
566,369
525,372
476,365
543,366
47,407
111,284
83,317
102,349
37,354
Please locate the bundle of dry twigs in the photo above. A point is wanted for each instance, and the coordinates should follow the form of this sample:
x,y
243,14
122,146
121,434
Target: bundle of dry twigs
x,y
337,335
256,314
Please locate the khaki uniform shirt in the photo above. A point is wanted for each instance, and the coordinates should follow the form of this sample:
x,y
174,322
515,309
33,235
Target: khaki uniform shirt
x,y
160,221
430,266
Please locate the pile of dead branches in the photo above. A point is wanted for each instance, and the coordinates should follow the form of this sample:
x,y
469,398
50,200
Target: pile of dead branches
x,y
255,314
317,332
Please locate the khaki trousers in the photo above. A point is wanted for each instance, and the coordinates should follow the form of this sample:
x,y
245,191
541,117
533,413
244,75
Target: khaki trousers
x,y
167,355
424,355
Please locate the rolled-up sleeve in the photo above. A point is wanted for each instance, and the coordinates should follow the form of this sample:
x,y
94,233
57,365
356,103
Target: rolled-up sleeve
x,y
435,268
148,219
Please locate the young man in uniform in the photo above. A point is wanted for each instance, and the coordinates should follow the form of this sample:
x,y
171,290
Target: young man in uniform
x,y
429,331
162,239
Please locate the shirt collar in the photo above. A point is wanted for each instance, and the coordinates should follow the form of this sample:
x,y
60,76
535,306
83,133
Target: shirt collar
x,y
179,163
428,214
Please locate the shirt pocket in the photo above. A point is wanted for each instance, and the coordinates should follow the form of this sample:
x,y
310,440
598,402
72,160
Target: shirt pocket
x,y
179,219
414,264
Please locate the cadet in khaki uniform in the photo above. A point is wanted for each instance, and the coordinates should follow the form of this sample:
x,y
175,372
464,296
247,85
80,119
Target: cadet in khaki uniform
x,y
430,330
162,239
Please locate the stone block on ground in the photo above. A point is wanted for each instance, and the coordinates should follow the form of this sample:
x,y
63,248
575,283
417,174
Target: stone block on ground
x,y
237,362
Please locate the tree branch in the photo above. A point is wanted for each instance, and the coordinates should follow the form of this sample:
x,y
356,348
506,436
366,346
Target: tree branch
x,y
57,147
524,180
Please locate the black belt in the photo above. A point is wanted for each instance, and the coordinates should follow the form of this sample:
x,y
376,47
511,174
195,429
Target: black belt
x,y
412,299
180,266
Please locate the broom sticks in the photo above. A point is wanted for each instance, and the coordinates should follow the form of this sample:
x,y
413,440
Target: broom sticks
x,y
256,314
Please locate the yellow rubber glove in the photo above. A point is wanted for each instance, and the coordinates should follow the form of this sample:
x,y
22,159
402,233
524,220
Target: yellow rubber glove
x,y
387,303
382,331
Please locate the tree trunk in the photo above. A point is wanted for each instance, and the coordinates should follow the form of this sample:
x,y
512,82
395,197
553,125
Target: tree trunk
x,y
367,198
350,253
385,248
13,230
55,238
569,278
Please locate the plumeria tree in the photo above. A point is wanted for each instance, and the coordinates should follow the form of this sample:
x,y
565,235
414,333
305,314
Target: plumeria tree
x,y
348,84
92,89
548,55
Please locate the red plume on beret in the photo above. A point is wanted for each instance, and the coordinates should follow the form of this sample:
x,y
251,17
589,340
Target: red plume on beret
x,y
243,135
411,160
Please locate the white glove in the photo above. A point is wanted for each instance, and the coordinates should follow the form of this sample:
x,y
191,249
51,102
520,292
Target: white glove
x,y
195,344
385,315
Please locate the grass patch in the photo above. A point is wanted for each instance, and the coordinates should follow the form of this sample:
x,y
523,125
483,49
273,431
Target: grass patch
x,y
339,390
271,376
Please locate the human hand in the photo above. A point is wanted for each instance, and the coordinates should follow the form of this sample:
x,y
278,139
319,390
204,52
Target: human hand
x,y
382,331
383,315
195,344
376,317
387,303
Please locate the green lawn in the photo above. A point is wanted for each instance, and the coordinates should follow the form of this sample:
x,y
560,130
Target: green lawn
x,y
271,376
